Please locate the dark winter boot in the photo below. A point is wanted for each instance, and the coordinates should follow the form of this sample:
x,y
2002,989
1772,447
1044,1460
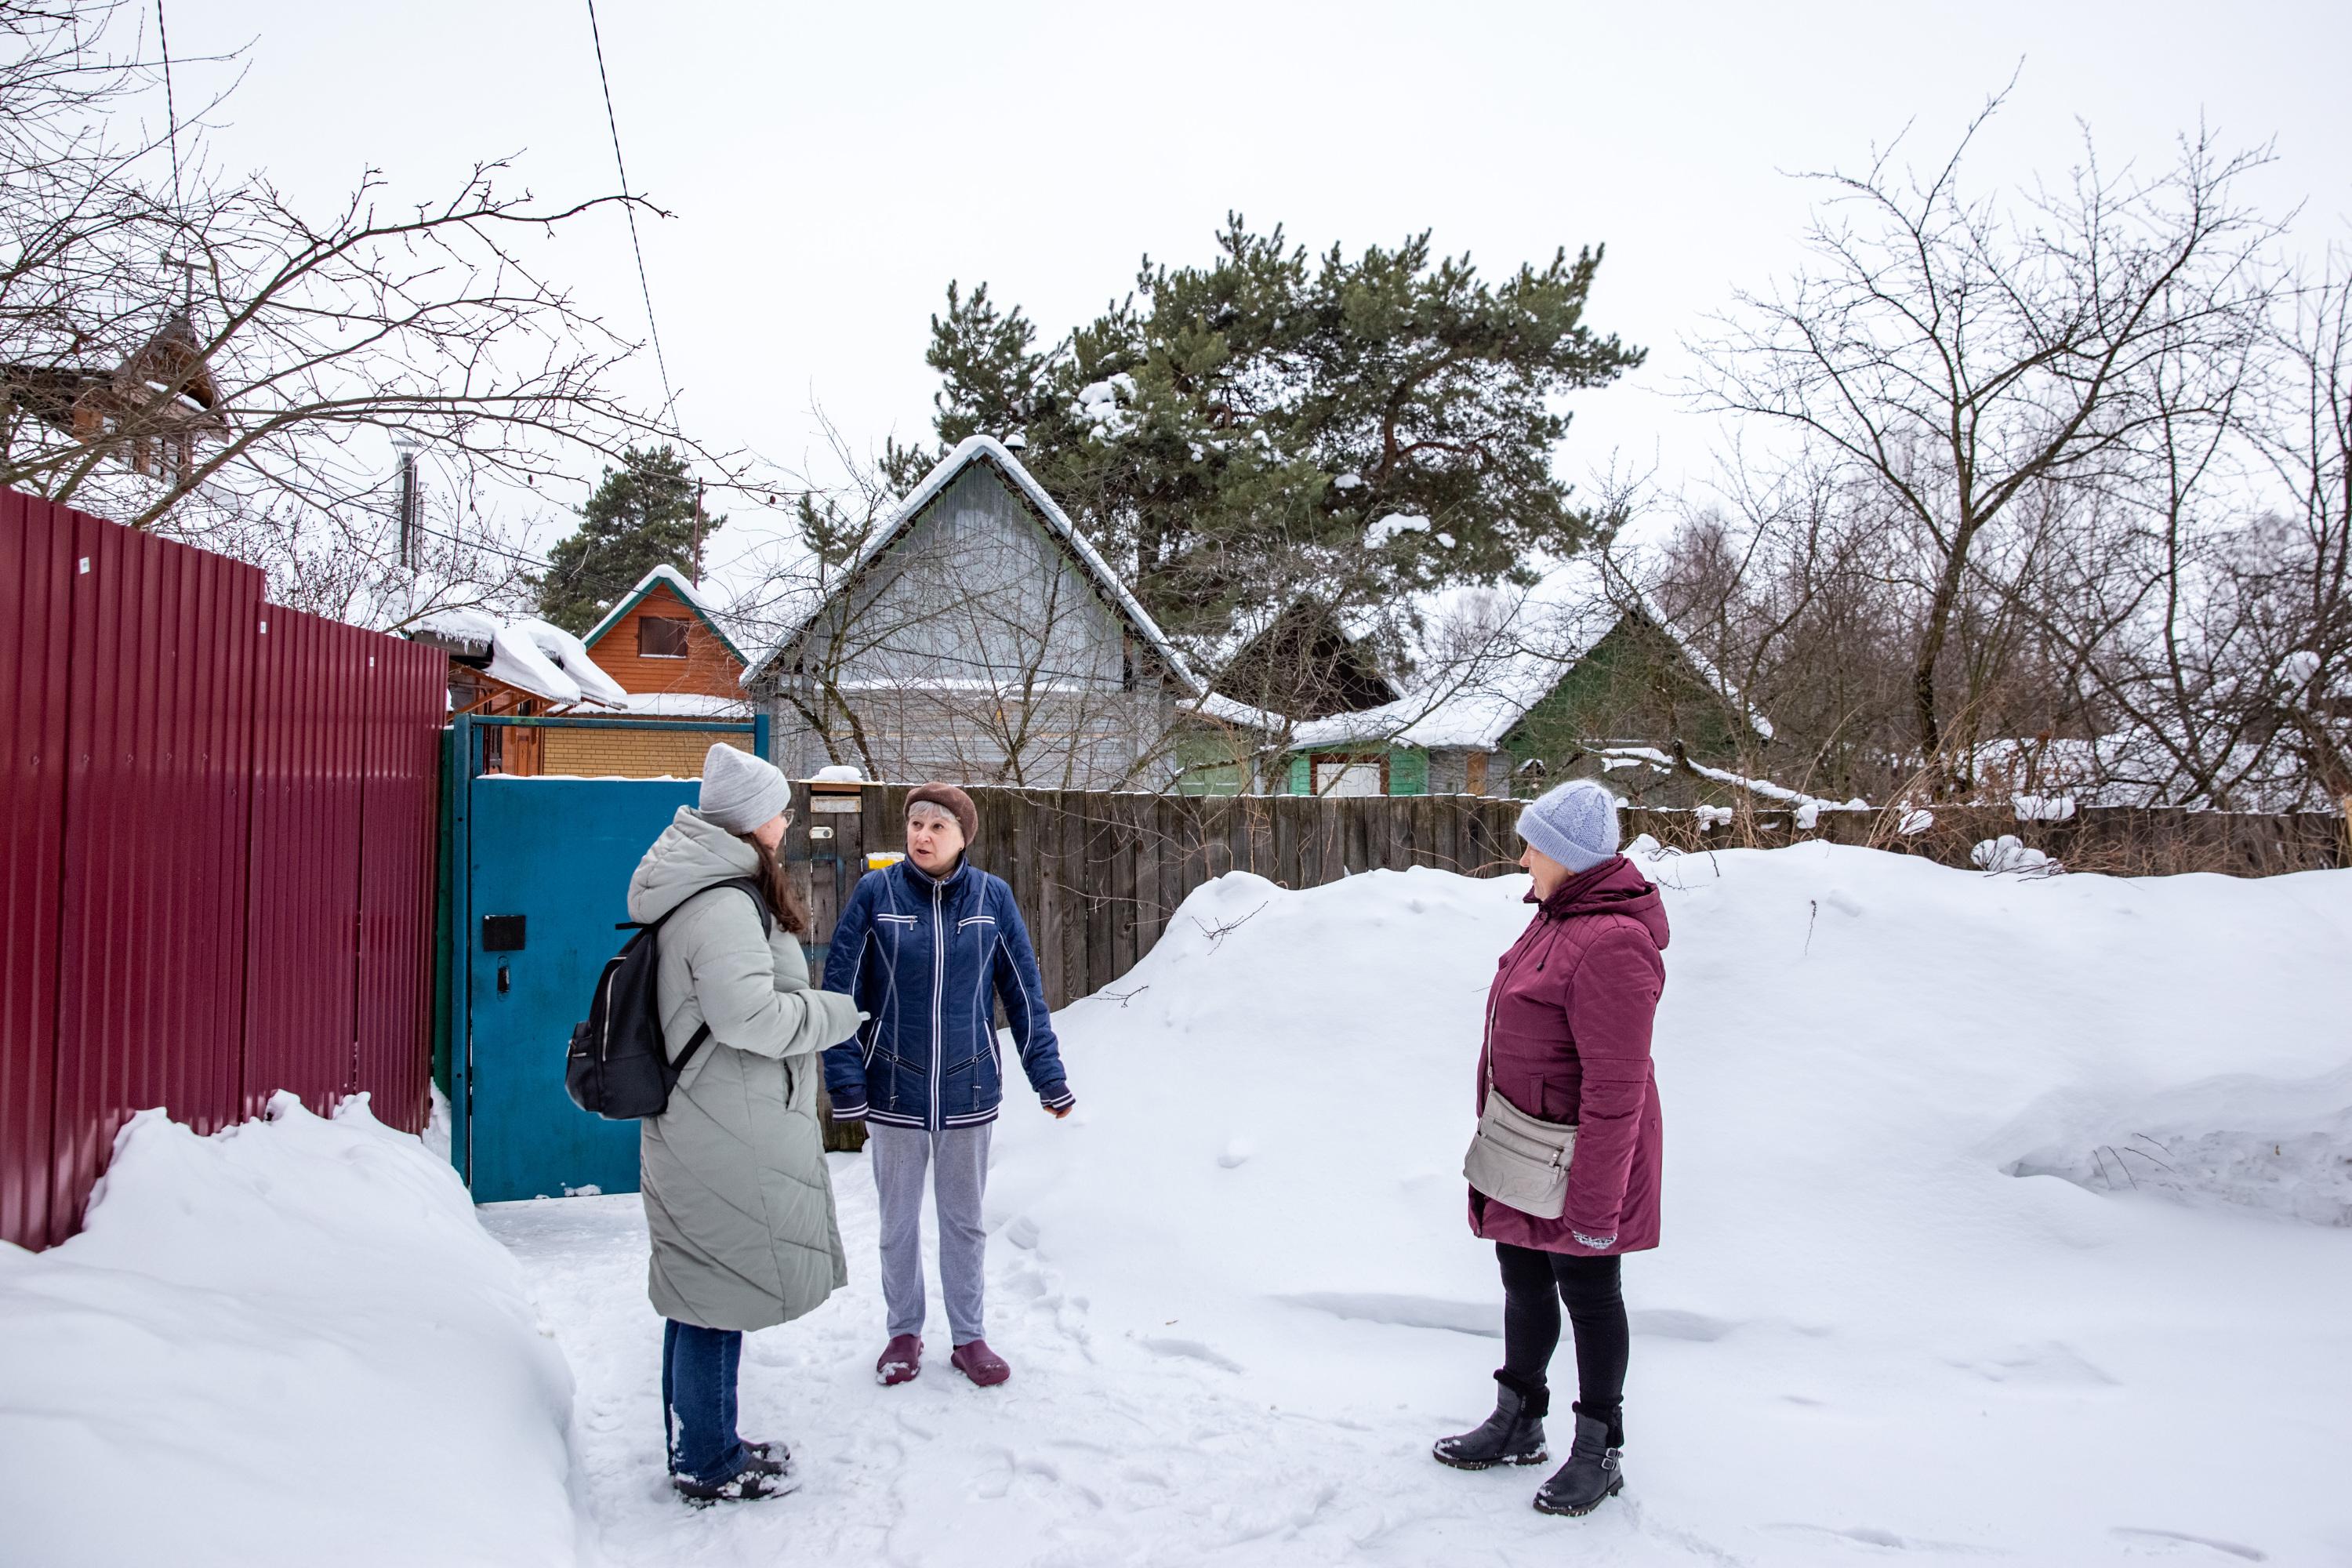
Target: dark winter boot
x,y
776,1454
759,1477
1513,1435
1591,1475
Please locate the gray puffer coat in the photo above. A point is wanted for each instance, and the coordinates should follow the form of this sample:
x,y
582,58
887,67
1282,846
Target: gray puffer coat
x,y
738,1201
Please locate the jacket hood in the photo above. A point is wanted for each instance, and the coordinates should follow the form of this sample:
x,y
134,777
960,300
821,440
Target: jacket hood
x,y
1614,886
692,853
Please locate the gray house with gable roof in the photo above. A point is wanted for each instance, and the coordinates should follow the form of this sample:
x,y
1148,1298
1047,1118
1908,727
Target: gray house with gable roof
x,y
976,638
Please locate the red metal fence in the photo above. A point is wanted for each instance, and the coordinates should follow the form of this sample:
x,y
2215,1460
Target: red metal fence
x,y
217,878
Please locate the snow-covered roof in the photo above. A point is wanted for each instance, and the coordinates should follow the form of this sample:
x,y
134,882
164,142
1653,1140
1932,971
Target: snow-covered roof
x,y
544,659
530,654
1356,623
1217,708
468,631
1471,701
667,576
980,448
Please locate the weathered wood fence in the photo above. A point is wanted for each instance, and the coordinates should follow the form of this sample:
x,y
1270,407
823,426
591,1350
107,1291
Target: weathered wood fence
x,y
1098,876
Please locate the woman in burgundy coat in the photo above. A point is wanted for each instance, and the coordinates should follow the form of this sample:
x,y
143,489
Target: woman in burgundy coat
x,y
1568,1040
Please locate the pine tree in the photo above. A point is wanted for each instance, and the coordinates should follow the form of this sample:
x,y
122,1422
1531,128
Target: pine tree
x,y
640,516
1271,424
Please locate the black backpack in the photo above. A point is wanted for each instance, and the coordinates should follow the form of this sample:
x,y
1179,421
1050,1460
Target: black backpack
x,y
618,1066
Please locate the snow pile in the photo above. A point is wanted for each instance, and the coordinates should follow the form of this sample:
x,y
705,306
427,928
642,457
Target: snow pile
x,y
2277,1148
689,705
1873,1324
2010,856
291,1342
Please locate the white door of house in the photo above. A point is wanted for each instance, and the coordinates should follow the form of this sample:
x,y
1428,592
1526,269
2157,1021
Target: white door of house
x,y
1348,778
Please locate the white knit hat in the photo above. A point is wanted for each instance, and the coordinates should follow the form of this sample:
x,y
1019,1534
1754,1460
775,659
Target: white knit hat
x,y
739,790
1575,824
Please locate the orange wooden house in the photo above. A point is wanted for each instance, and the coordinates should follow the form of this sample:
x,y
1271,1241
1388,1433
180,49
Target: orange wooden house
x,y
665,640
677,659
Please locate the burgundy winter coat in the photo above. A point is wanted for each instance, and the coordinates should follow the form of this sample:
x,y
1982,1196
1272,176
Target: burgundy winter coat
x,y
1568,1024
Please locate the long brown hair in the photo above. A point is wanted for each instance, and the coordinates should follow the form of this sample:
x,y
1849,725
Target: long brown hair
x,y
777,888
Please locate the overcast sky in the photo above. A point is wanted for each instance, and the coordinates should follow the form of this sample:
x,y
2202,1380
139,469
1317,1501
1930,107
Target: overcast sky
x,y
831,167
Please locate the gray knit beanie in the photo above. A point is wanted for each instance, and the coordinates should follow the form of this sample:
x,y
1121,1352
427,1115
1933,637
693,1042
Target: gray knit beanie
x,y
1576,824
740,792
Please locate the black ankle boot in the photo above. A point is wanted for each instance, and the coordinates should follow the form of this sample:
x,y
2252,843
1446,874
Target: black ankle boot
x,y
1513,1435
759,1476
1591,1475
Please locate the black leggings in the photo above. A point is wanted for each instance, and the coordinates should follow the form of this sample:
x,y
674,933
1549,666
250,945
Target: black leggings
x,y
1534,1286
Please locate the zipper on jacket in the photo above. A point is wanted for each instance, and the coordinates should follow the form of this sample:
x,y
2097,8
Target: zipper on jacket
x,y
1495,1000
938,985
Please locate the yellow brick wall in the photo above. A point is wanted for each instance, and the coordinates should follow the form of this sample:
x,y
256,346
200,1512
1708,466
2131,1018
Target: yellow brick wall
x,y
647,754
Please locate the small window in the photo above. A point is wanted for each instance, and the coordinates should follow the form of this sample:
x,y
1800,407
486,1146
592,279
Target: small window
x,y
660,637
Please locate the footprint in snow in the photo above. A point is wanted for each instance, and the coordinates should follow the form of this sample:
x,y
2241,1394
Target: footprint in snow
x,y
1188,1349
2171,1541
1871,1535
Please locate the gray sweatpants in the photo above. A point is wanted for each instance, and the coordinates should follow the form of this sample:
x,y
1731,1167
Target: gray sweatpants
x,y
958,1159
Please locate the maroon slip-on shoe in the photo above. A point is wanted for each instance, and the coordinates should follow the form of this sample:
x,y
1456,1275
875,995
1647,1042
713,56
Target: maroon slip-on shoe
x,y
979,1363
902,1361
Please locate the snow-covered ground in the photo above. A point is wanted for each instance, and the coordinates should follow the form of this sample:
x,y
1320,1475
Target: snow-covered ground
x,y
1241,1299
2004,1219
288,1343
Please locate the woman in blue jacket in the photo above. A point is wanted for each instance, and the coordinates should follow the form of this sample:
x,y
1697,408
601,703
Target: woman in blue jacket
x,y
929,948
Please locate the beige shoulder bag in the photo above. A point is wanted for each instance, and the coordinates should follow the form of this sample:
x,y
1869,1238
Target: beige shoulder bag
x,y
1518,1159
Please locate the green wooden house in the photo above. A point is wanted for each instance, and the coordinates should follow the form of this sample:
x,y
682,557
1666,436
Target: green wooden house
x,y
1585,672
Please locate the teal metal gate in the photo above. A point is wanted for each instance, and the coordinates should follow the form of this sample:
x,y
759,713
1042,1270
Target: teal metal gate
x,y
537,877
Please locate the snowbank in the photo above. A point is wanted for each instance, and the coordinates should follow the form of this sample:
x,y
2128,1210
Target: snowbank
x,y
1908,1300
1876,1322
288,1344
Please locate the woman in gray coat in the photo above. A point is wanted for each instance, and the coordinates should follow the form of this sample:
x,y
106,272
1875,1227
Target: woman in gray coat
x,y
738,1202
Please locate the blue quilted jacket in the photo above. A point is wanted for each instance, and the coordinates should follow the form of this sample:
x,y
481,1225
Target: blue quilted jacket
x,y
928,958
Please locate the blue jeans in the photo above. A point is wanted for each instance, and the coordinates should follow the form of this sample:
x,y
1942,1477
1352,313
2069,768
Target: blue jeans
x,y
699,1369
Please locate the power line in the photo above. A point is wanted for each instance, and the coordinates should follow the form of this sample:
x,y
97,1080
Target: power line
x,y
171,110
669,398
487,548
